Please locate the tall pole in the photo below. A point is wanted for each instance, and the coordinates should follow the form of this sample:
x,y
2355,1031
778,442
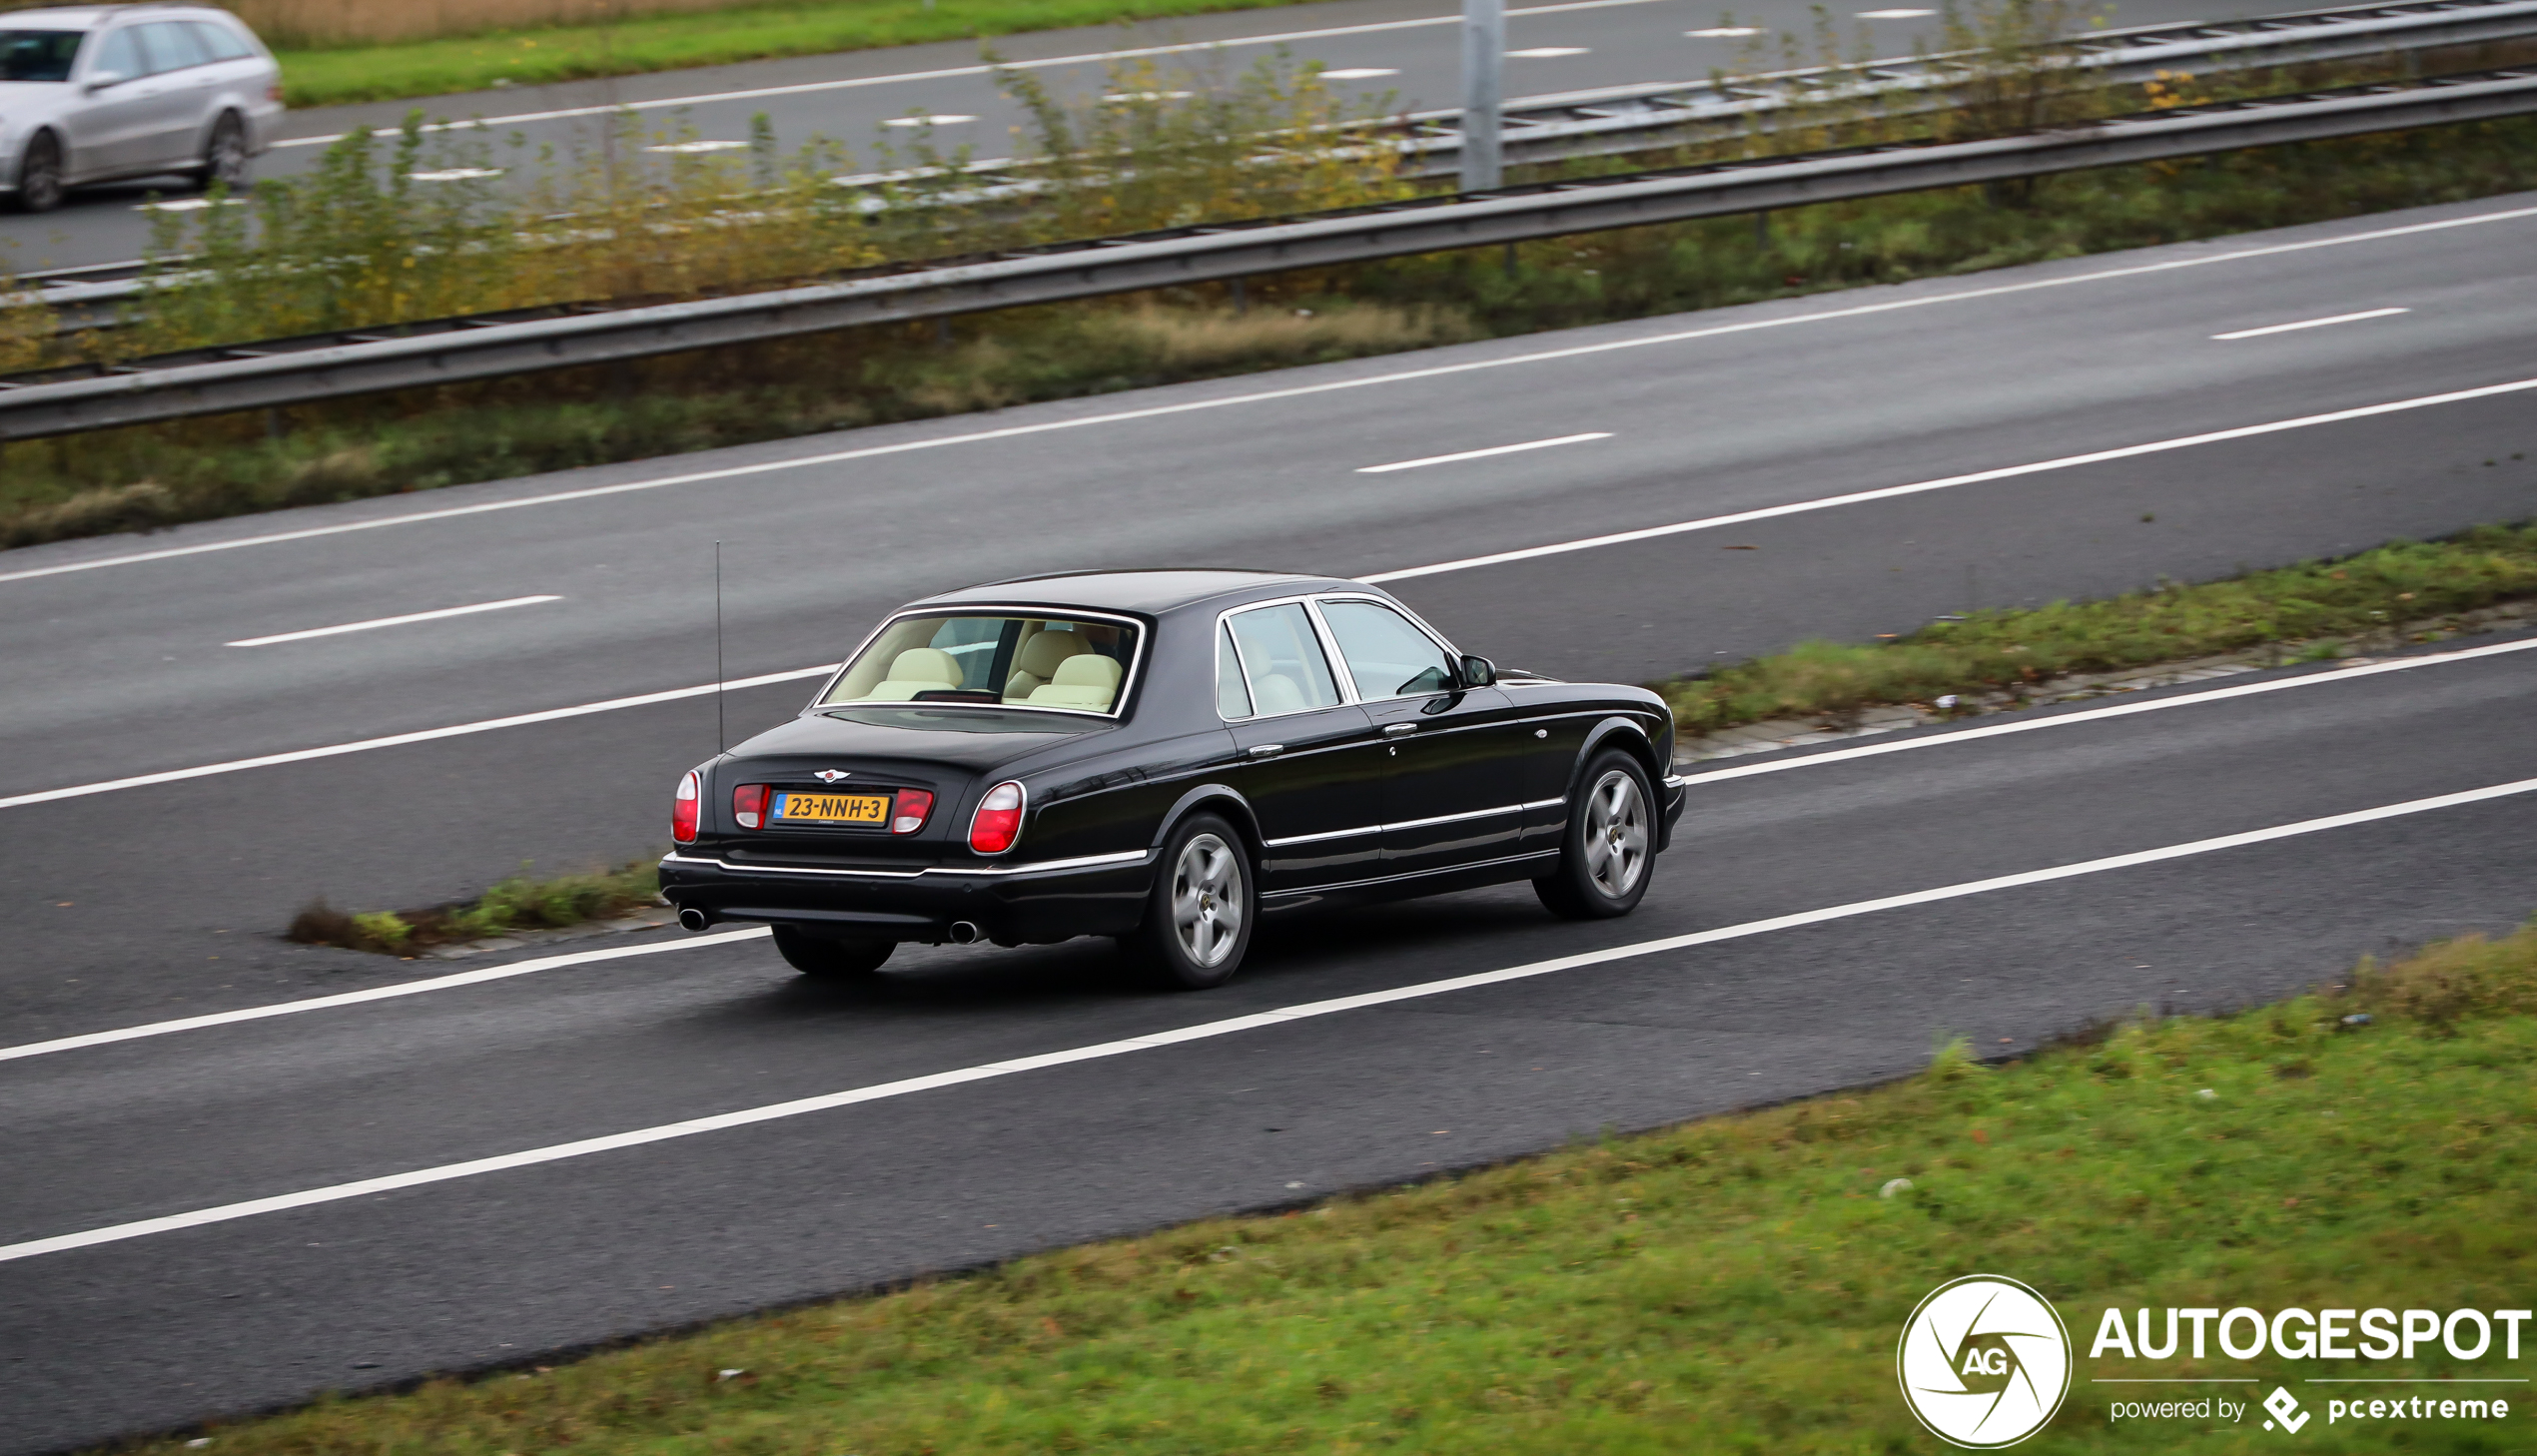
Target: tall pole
x,y
1484,59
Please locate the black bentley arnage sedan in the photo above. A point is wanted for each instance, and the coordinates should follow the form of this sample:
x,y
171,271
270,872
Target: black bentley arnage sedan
x,y
1163,756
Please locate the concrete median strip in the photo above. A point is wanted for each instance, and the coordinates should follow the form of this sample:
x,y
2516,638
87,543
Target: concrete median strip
x,y
747,1117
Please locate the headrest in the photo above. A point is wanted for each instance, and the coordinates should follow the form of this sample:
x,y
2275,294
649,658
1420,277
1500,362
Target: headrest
x,y
927,664
1278,694
1041,655
1090,670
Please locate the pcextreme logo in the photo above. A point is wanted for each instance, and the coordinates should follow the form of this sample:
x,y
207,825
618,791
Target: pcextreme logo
x,y
1985,1362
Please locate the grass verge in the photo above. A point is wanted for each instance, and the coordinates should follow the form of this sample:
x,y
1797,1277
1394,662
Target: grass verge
x,y
1734,1285
508,54
2407,588
201,469
519,903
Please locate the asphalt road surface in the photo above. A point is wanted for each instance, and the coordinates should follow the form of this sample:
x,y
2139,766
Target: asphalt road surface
x,y
1407,50
2080,427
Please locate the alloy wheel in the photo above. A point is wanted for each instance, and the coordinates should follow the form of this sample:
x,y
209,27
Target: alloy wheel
x,y
39,175
1615,835
1207,900
225,160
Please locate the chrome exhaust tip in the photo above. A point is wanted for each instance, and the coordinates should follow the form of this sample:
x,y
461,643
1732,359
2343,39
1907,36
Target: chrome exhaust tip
x,y
692,919
963,931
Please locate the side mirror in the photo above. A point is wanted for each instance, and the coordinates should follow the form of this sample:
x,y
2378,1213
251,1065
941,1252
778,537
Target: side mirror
x,y
1478,673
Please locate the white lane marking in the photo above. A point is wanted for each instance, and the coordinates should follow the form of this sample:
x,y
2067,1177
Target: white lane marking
x,y
1297,392
747,1117
1126,97
2312,323
454,174
470,978
455,611
856,83
2120,710
1949,483
358,998
1900,14
187,204
1544,53
945,119
1360,73
398,740
1723,31
690,149
1507,450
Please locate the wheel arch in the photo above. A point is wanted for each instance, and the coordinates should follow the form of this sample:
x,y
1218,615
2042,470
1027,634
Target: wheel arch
x,y
1221,798
1630,736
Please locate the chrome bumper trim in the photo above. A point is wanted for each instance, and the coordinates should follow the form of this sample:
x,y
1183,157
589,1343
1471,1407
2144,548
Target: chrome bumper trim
x,y
1044,867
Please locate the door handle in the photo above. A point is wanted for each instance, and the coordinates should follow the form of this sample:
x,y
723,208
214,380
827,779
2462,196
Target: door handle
x,y
1400,730
1266,750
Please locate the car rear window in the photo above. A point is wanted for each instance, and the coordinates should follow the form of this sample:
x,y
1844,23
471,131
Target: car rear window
x,y
1066,664
38,55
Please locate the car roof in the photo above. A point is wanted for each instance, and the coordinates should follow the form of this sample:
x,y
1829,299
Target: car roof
x,y
1146,592
87,15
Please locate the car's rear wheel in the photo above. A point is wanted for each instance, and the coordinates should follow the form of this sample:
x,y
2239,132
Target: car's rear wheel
x,y
39,174
829,960
1609,850
225,155
1198,920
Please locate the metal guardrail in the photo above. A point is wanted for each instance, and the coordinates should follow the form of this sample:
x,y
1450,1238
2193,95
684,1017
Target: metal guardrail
x,y
463,349
1614,120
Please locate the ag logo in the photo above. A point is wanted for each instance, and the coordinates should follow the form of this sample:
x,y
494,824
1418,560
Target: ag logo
x,y
1984,1363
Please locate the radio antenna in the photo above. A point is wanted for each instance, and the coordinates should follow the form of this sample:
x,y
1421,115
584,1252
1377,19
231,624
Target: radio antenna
x,y
721,735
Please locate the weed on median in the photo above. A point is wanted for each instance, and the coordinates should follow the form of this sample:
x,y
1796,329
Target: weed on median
x,y
2394,586
516,904
1726,1286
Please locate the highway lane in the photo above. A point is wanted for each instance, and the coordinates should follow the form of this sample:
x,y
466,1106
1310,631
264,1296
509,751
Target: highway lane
x,y
1710,414
488,1269
1407,50
164,901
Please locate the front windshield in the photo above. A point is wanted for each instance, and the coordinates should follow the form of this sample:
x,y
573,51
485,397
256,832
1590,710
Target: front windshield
x,y
1066,663
38,55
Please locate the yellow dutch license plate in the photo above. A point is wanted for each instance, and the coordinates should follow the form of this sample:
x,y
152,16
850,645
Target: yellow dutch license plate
x,y
793,808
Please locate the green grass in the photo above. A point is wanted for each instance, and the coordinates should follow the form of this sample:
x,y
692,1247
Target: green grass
x,y
335,75
519,903
2393,587
1729,1285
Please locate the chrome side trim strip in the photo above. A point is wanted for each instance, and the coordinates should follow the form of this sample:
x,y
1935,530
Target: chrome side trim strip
x,y
1409,824
1318,838
1546,803
1457,817
1085,862
1410,875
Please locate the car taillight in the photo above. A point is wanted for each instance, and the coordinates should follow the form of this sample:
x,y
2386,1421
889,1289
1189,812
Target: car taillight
x,y
273,93
999,820
909,816
748,805
683,810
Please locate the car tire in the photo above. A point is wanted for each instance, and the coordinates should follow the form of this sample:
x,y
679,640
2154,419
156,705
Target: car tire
x,y
1607,853
39,174
1205,901
225,159
827,960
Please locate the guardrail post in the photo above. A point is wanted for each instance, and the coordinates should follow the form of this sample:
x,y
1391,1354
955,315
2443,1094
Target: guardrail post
x,y
1483,92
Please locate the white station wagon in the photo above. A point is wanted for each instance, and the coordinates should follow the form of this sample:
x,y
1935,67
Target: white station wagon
x,y
107,92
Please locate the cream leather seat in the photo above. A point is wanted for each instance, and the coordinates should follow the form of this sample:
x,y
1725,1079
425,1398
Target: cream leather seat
x,y
1035,666
1278,694
918,670
1088,681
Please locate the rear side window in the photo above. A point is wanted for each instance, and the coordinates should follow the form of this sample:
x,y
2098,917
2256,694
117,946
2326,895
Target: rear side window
x,y
38,55
172,46
1387,657
218,41
120,58
1283,661
1232,700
